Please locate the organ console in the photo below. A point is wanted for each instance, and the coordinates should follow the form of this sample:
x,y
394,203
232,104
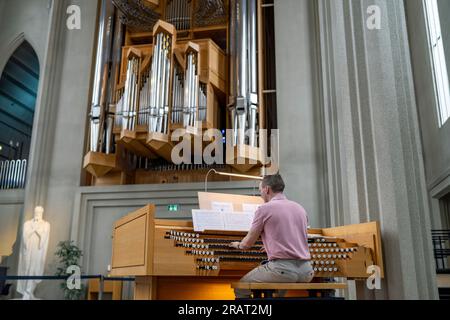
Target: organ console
x,y
172,261
188,65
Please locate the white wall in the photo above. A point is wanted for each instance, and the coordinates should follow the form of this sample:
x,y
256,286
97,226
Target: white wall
x,y
29,17
298,115
19,21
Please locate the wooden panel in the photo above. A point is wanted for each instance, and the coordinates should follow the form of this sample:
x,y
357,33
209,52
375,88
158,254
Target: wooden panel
x,y
129,243
443,280
213,64
166,252
99,164
365,234
112,287
111,179
133,243
205,200
145,288
195,288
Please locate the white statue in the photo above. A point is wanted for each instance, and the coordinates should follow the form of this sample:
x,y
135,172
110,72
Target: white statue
x,y
33,253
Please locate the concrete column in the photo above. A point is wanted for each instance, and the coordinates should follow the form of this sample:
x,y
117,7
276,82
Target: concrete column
x,y
372,139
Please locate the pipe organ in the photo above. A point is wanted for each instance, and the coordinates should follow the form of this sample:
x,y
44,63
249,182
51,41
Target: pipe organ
x,y
170,256
167,65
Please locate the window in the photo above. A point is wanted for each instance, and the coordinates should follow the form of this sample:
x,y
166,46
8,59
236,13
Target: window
x,y
440,72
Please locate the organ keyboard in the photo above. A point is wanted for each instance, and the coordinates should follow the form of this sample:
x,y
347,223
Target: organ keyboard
x,y
171,261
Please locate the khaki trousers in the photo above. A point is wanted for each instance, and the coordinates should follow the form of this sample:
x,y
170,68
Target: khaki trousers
x,y
277,271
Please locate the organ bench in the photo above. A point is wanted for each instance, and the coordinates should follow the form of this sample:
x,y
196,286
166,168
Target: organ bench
x,y
266,290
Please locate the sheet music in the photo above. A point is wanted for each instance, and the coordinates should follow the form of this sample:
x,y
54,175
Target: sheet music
x,y
222,206
238,221
250,207
207,220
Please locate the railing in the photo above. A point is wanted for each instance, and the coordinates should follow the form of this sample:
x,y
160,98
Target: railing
x,y
441,246
13,174
101,278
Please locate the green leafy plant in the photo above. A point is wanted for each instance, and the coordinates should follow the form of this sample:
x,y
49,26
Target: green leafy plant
x,y
69,255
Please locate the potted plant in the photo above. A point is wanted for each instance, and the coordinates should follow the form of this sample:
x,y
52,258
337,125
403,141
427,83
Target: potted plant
x,y
69,255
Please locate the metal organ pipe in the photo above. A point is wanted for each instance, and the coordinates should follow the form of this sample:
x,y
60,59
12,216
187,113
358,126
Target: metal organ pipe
x,y
115,71
253,71
159,84
178,13
103,55
202,103
130,102
244,71
191,88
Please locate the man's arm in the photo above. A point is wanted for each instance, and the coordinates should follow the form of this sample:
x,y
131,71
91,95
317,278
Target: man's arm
x,y
248,241
254,233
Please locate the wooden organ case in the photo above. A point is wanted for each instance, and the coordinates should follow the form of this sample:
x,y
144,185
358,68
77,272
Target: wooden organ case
x,y
172,262
177,68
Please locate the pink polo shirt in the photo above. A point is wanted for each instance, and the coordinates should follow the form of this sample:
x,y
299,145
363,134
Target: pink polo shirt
x,y
283,225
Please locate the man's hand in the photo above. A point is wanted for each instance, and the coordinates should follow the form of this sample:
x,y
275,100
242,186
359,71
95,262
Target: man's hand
x,y
235,245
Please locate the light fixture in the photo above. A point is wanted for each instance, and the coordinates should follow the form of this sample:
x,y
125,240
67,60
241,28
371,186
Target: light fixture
x,y
237,175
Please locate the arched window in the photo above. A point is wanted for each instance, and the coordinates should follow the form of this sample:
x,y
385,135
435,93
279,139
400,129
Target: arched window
x,y
18,92
440,71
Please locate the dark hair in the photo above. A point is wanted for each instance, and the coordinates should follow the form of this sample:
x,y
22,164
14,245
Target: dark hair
x,y
275,182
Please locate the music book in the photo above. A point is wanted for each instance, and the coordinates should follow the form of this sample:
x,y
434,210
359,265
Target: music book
x,y
224,221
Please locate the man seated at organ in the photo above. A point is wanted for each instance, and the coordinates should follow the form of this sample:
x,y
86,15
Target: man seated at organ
x,y
283,227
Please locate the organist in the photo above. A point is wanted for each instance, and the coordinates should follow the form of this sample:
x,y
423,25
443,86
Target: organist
x,y
282,225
